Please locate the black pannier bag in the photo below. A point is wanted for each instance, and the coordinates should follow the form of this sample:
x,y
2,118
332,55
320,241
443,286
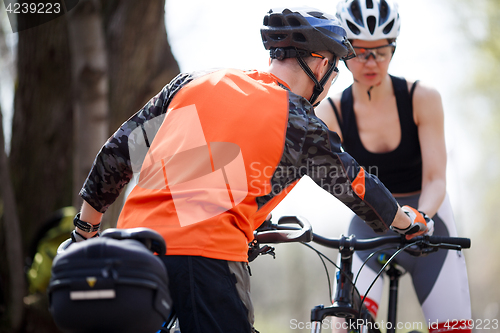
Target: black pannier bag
x,y
110,284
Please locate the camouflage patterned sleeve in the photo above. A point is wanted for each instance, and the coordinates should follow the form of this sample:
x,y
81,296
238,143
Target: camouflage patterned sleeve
x,y
318,153
113,168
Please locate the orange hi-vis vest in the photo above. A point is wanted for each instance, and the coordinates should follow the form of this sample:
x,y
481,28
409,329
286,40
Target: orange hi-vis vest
x,y
215,152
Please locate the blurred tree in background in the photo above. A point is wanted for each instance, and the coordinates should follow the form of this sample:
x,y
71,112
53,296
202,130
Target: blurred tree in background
x,y
62,77
481,26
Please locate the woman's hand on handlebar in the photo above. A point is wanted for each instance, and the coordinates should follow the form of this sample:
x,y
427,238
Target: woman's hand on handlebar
x,y
420,223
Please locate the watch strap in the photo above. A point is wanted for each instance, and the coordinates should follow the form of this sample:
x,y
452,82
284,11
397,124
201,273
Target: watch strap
x,y
85,226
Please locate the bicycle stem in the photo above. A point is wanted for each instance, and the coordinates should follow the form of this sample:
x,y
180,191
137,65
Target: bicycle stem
x,y
343,300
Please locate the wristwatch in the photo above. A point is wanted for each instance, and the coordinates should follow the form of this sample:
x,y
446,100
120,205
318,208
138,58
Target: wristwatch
x,y
85,226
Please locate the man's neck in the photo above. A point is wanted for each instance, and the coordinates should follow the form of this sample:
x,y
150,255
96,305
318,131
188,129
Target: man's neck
x,y
293,76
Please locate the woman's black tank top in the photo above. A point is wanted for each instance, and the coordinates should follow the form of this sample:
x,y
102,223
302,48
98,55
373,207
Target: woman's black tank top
x,y
401,169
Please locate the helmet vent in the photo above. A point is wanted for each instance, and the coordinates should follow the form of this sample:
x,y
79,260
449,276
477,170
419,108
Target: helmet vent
x,y
384,12
371,21
293,22
388,27
354,29
298,37
369,4
317,15
277,37
276,21
356,13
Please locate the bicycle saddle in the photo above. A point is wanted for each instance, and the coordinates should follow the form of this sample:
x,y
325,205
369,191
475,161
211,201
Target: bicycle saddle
x,y
150,238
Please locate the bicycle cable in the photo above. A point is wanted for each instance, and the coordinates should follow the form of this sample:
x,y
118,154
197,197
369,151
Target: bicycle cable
x,y
382,271
368,258
323,256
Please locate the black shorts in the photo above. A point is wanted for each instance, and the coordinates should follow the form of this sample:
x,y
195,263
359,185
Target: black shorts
x,y
210,295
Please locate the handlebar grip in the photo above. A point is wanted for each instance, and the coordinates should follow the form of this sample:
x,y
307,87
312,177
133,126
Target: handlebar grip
x,y
464,243
279,234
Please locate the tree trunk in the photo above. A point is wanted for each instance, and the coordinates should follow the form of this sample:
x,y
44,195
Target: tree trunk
x,y
12,240
140,59
41,144
140,63
90,88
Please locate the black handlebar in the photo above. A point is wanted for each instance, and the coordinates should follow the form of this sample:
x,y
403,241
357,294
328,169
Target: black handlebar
x,y
452,243
269,233
277,233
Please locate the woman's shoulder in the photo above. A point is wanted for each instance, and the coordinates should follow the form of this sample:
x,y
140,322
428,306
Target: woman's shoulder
x,y
421,89
326,112
427,103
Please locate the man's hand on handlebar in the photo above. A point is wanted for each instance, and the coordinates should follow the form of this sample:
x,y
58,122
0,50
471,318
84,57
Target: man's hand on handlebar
x,y
421,224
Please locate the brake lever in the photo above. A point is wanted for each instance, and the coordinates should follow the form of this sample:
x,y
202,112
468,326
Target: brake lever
x,y
417,248
254,250
423,247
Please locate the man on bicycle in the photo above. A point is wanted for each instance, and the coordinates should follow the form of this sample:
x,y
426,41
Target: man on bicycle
x,y
214,152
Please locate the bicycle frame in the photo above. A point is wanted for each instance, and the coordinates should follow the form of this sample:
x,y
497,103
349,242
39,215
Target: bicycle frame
x,y
347,303
350,306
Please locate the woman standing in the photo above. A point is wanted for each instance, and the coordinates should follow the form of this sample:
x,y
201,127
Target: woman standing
x,y
395,128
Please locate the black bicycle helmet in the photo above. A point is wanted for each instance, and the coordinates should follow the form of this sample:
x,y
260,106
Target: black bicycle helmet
x,y
296,32
305,28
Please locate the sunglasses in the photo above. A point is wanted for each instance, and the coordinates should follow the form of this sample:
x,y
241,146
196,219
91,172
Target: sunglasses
x,y
335,73
379,53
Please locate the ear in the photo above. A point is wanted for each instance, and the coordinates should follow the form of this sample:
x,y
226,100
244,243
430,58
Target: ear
x,y
320,68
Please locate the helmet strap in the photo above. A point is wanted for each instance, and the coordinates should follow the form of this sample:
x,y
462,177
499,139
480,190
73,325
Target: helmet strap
x,y
319,86
369,92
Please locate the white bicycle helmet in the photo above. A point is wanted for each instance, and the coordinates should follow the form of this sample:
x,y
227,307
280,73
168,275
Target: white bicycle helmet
x,y
369,19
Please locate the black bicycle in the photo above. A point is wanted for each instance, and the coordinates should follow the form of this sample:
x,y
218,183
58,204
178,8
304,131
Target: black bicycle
x,y
347,302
